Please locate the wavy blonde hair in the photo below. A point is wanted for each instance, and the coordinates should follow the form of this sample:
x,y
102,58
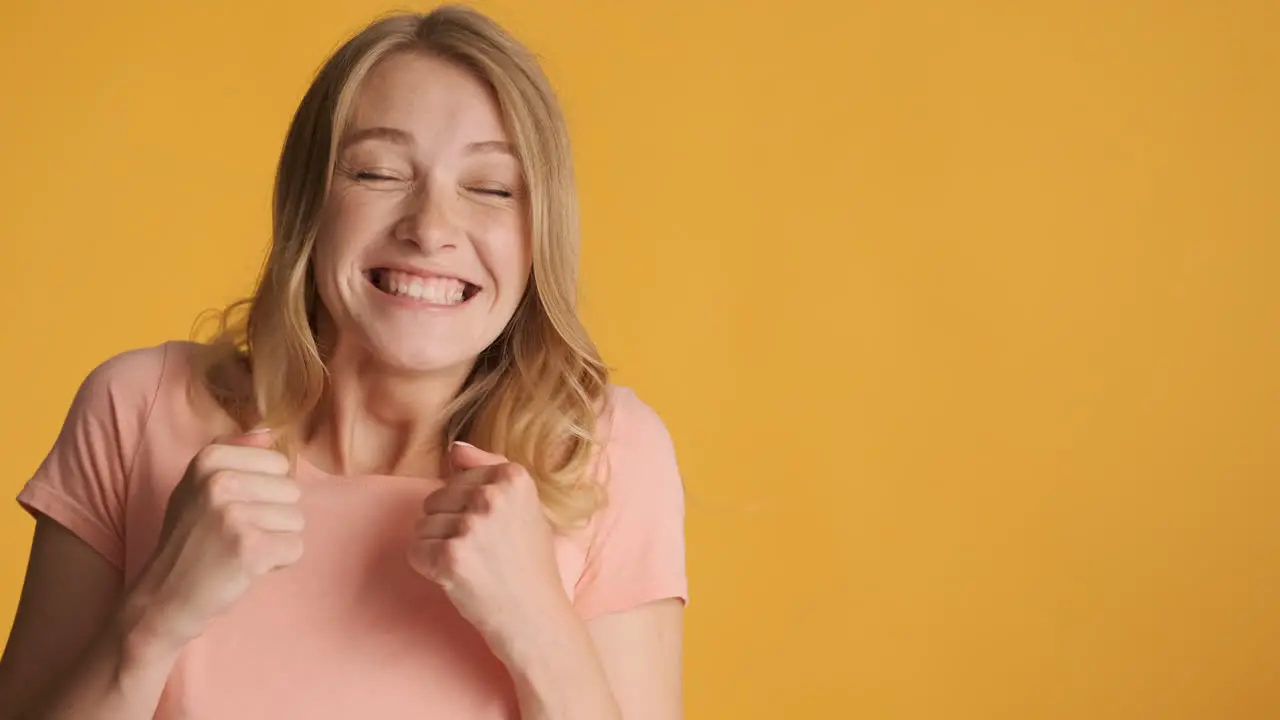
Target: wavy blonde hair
x,y
535,394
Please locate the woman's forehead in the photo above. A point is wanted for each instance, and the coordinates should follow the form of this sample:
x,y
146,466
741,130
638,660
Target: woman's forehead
x,y
421,99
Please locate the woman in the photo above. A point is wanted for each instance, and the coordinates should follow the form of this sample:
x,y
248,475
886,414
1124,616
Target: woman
x,y
296,520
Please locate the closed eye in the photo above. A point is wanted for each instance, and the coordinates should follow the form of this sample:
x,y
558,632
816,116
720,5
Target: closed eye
x,y
494,192
367,176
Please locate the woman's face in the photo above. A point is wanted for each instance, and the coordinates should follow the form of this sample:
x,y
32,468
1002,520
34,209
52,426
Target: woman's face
x,y
423,251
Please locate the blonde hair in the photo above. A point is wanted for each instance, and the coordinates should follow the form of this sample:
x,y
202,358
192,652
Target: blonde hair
x,y
535,394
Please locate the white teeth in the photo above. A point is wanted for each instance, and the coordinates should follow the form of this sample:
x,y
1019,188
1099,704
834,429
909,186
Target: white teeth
x,y
433,290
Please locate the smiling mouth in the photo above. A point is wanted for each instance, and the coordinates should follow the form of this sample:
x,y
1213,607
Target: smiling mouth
x,y
427,290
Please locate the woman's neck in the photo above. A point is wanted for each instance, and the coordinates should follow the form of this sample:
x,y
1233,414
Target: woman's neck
x,y
374,422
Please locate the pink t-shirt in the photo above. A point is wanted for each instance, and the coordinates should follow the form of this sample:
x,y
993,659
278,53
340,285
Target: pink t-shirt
x,y
350,631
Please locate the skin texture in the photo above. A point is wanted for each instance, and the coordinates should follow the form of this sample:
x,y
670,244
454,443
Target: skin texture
x,y
425,183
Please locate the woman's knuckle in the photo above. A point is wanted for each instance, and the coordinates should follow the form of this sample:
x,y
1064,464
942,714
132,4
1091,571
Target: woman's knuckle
x,y
235,517
275,463
205,461
466,524
446,557
490,495
242,542
221,486
511,473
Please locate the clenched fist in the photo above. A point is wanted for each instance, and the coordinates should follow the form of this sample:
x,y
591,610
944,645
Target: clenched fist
x,y
485,539
233,517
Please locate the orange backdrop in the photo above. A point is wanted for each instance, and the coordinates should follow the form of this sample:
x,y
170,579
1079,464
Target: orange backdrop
x,y
963,315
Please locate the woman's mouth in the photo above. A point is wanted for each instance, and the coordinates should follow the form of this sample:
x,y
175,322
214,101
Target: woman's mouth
x,y
432,290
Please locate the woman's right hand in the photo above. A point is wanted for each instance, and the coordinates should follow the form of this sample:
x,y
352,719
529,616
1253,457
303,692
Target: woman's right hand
x,y
233,517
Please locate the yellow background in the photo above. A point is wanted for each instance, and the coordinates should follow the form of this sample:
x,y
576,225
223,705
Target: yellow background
x,y
962,313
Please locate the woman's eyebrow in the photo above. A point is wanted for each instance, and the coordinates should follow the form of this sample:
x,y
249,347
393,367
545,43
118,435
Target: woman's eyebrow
x,y
390,134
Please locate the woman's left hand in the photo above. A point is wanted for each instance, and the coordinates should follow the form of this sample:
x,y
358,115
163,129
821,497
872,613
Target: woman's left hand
x,y
485,539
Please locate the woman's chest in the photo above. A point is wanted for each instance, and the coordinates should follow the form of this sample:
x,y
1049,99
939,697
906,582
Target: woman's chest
x,y
351,630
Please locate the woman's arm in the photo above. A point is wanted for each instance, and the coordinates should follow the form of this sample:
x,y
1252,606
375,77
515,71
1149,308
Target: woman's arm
x,y
641,652
71,652
619,666
485,539
232,518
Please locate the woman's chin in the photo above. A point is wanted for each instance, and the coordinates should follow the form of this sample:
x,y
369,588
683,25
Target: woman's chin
x,y
418,361
402,351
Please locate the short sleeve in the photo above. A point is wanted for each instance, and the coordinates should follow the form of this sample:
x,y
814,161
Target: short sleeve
x,y
82,482
636,552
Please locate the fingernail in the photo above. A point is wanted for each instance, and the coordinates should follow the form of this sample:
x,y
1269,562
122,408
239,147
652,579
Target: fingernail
x,y
259,431
464,444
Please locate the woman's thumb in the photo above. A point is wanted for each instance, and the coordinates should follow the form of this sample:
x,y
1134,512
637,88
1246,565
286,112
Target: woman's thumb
x,y
262,437
466,456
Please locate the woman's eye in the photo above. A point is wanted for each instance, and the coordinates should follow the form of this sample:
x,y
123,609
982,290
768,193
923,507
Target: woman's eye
x,y
368,176
493,192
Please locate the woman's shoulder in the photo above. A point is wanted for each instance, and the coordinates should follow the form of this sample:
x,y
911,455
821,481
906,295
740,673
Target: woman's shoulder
x,y
133,386
85,479
635,439
629,419
134,372
636,549
142,371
